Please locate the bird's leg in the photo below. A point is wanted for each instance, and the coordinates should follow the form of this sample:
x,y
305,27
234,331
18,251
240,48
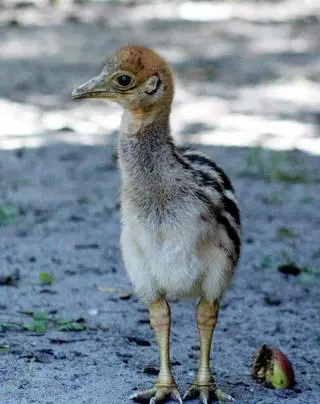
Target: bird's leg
x,y
165,386
204,385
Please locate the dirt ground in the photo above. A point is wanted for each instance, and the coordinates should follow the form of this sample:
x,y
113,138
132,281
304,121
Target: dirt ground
x,y
71,331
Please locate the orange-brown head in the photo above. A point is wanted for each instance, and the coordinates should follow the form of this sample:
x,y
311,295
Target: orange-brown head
x,y
135,77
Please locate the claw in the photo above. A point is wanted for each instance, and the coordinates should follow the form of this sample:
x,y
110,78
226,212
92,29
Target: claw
x,y
222,396
179,399
157,394
191,392
175,395
205,393
204,397
143,395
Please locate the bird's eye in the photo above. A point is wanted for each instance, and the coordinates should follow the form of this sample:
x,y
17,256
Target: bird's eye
x,y
124,80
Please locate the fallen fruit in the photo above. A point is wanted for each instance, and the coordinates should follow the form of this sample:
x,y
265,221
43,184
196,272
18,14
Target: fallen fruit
x,y
272,368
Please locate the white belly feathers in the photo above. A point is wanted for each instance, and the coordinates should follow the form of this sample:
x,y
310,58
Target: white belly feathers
x,y
162,259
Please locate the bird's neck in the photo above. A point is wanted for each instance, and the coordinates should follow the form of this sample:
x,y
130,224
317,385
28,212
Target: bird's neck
x,y
145,147
138,122
145,133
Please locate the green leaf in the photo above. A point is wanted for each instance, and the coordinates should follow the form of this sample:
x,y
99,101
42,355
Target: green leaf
x,y
307,199
10,326
290,177
39,327
278,166
266,261
284,232
83,200
40,316
4,348
310,276
8,213
73,327
46,278
70,325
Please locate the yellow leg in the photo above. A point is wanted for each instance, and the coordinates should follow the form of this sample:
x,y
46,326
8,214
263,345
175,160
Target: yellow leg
x,y
165,386
204,385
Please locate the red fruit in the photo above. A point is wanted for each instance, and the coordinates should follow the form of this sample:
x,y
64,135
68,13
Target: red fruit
x,y
273,368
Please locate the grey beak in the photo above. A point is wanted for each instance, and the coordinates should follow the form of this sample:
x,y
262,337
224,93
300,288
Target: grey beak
x,y
91,89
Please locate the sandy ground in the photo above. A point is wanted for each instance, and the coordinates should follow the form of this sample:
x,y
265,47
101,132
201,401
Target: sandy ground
x,y
58,198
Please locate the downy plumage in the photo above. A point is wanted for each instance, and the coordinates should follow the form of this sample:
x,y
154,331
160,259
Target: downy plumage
x,y
180,217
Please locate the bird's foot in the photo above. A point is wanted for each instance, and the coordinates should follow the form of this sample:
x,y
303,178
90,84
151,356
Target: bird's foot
x,y
207,393
158,394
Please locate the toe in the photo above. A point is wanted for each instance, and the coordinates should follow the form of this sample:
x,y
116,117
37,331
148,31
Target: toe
x,y
223,397
158,394
191,392
175,395
143,395
179,399
205,395
166,392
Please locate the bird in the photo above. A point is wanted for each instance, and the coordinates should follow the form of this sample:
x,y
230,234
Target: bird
x,y
180,218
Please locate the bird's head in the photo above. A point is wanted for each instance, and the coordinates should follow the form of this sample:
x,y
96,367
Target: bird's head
x,y
135,77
